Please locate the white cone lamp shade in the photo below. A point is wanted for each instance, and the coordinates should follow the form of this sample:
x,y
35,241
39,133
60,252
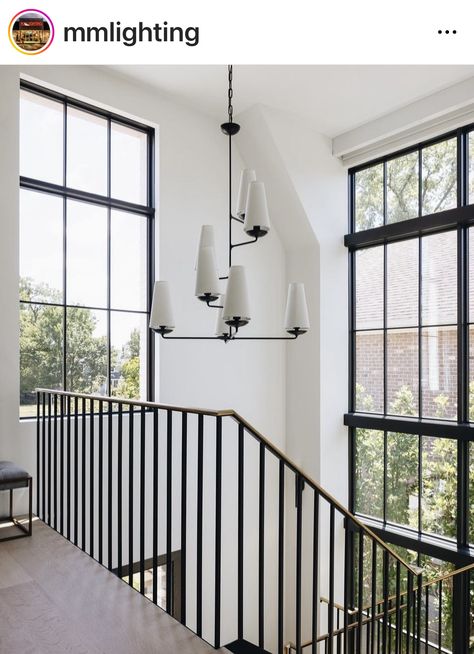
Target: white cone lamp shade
x,y
206,239
257,220
296,317
222,330
246,176
161,317
236,310
207,279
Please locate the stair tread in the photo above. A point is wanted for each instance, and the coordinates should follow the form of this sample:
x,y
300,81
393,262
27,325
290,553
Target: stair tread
x,y
245,647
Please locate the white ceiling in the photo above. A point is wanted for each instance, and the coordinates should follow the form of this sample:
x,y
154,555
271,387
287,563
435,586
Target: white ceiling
x,y
333,99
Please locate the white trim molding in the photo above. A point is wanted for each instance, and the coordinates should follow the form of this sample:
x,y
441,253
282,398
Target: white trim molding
x,y
423,119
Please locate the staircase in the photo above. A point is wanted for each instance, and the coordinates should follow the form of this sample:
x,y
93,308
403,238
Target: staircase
x,y
204,516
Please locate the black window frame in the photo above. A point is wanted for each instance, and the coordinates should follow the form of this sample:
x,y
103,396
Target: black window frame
x,y
459,552
66,193
459,220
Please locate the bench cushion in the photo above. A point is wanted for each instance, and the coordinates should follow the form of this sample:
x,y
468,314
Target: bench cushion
x,y
12,476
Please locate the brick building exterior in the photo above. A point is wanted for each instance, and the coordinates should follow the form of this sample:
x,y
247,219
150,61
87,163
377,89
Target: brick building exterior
x,y
412,322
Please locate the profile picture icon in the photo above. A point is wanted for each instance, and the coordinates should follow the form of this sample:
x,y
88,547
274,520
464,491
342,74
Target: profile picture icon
x,y
31,31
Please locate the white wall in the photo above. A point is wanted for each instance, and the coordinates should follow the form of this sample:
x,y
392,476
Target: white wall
x,y
192,190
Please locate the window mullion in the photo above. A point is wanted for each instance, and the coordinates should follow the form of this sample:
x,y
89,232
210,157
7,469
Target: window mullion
x,y
65,248
109,257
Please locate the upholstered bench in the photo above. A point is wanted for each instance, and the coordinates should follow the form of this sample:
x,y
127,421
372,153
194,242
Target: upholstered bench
x,y
11,478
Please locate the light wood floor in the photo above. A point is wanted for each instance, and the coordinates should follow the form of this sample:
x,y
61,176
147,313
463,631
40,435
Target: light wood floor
x,y
54,599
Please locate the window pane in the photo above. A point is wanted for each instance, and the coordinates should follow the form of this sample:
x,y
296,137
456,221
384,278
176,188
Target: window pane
x,y
439,279
369,288
86,152
86,254
402,372
439,471
41,138
369,372
471,493
471,167
402,188
402,479
41,352
369,472
471,373
369,198
86,351
128,333
439,183
41,247
129,164
129,261
471,274
439,375
402,283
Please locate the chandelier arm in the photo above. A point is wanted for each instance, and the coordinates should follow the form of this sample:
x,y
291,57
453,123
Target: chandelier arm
x,y
237,245
214,306
189,338
230,338
265,338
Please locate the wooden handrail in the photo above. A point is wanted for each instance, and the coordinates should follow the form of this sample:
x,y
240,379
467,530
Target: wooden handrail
x,y
261,438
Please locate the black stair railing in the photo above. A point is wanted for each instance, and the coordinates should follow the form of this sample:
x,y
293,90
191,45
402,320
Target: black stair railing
x,y
209,520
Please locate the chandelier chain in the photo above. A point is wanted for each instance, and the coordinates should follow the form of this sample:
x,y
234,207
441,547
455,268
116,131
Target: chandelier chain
x,y
230,93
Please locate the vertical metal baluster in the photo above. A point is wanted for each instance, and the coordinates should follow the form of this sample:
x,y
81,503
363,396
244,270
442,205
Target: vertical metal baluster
x,y
331,578
398,628
299,525
76,471
49,460
100,481
240,539
315,581
110,425
385,571
184,500
55,462
378,628
119,487
390,630
83,478
419,591
374,596
155,505
142,499
218,535
38,451
68,468
130,494
199,525
61,464
281,552
427,619
169,509
261,549
360,585
91,478
440,616
409,608
43,461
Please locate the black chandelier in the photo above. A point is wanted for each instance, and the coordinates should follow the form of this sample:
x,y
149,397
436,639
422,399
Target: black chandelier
x,y
233,305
